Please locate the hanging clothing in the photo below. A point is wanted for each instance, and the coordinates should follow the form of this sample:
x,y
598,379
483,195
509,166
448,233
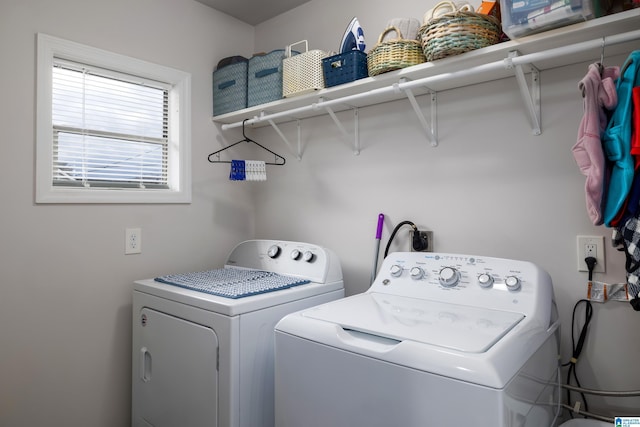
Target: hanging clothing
x,y
599,94
627,237
635,125
617,140
632,203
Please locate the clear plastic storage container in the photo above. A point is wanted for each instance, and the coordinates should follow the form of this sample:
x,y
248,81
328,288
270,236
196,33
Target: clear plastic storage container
x,y
524,17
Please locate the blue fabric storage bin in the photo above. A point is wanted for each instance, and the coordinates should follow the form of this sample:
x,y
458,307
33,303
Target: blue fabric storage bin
x,y
230,88
265,77
344,68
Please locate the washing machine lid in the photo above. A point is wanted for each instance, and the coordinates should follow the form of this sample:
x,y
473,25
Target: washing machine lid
x,y
458,327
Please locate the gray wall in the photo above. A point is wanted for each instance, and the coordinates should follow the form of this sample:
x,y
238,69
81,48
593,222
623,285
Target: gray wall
x,y
65,285
490,188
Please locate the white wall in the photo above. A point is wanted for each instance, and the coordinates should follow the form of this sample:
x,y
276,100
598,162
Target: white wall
x,y
490,188
65,283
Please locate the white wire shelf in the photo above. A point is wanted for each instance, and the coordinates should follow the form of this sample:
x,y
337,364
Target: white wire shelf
x,y
614,35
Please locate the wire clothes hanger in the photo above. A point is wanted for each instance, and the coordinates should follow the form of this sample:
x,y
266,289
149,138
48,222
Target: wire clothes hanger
x,y
279,160
601,63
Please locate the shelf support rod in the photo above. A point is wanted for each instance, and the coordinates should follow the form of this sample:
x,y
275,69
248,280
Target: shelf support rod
x,y
356,121
531,96
434,119
299,141
356,143
284,138
428,127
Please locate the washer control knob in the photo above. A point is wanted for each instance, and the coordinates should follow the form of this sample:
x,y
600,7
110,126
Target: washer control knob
x,y
485,280
513,283
273,251
449,277
417,273
308,256
295,254
396,270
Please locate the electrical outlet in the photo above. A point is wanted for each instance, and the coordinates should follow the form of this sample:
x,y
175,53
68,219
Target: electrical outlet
x,y
591,246
132,241
426,241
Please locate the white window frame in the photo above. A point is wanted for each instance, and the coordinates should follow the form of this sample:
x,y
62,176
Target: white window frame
x,y
179,147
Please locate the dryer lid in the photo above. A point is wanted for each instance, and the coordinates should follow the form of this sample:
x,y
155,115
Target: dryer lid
x,y
457,327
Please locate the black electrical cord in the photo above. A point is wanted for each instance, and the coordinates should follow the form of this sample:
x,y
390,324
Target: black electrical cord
x,y
577,349
591,263
393,234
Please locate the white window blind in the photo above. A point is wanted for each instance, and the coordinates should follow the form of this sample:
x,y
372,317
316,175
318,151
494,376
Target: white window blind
x,y
109,129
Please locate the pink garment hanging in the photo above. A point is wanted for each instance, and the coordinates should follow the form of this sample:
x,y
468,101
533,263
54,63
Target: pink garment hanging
x,y
599,93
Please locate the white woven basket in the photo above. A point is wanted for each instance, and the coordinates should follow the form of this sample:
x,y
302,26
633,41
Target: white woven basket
x,y
302,73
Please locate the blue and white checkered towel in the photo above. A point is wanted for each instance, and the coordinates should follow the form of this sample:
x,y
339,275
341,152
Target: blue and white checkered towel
x,y
232,282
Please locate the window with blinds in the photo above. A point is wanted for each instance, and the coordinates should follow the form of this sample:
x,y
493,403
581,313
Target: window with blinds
x,y
109,129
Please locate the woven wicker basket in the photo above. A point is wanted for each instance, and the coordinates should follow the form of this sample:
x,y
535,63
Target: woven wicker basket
x,y
458,32
394,54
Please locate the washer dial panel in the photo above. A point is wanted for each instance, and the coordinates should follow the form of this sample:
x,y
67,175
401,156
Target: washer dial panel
x,y
491,282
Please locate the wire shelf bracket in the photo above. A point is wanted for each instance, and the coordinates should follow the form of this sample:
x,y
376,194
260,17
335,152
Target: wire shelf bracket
x,y
431,129
338,123
275,127
530,94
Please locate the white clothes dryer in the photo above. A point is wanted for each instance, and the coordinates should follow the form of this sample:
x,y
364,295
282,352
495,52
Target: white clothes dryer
x,y
205,360
438,339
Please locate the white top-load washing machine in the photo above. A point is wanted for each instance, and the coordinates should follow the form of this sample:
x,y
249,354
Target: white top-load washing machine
x,y
203,360
437,340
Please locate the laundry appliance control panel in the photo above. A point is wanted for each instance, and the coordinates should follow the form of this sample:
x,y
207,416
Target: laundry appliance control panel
x,y
479,281
303,260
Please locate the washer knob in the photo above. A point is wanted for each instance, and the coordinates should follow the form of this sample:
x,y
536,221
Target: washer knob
x,y
417,273
396,270
513,283
308,256
449,277
273,251
295,254
485,280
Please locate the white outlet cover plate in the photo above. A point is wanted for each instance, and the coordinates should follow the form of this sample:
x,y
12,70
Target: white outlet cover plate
x,y
132,241
582,241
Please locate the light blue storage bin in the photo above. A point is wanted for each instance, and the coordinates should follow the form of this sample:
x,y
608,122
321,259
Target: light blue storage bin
x,y
230,88
265,77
